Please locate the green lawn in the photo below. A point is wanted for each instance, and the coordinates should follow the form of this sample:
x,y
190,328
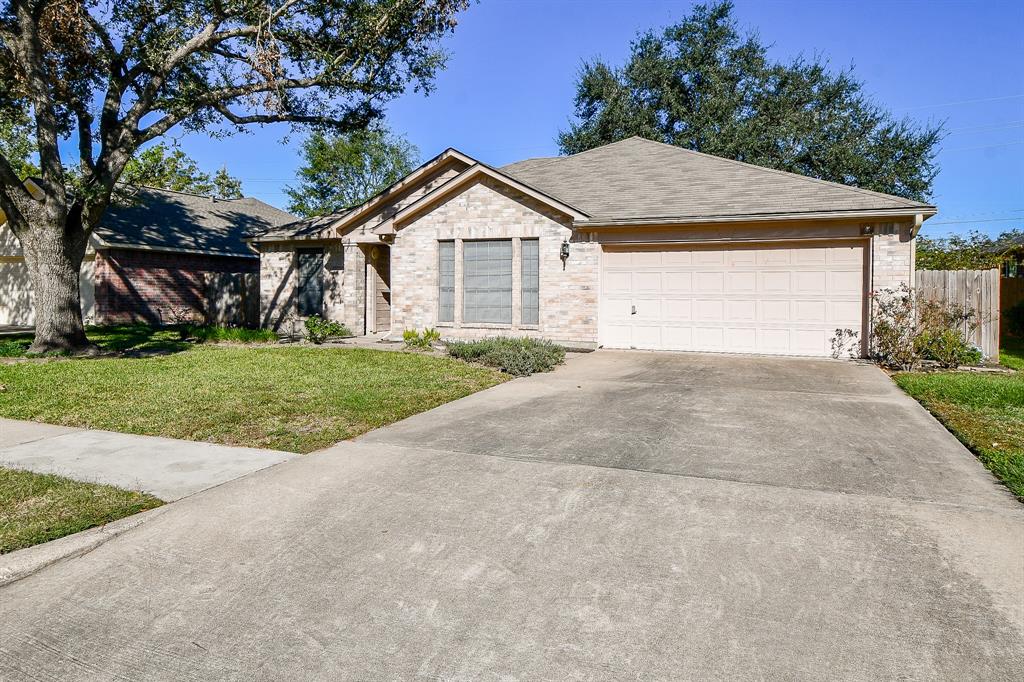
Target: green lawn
x,y
1011,354
283,397
36,508
985,411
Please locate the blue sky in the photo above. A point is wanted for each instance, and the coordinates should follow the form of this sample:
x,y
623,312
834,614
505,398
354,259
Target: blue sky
x,y
509,86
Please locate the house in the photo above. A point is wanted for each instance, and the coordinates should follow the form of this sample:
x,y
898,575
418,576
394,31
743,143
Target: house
x,y
156,251
636,244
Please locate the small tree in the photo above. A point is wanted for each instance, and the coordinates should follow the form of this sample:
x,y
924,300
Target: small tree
x,y
111,77
347,169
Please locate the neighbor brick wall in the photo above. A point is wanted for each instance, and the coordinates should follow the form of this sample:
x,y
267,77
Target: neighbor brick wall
x,y
141,286
489,210
344,284
892,256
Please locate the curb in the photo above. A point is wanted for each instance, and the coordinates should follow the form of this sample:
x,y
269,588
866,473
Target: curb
x,y
24,562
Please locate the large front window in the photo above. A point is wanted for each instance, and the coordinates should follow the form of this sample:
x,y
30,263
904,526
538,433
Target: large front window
x,y
487,281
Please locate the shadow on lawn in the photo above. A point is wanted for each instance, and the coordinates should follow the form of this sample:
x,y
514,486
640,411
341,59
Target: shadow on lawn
x,y
128,339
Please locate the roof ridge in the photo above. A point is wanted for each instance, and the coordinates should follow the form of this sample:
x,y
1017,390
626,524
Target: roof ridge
x,y
910,203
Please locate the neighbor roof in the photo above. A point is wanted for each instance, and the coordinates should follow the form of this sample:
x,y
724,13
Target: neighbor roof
x,y
166,220
638,180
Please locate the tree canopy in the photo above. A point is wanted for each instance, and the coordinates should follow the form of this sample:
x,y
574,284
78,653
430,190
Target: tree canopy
x,y
165,168
347,169
704,85
101,80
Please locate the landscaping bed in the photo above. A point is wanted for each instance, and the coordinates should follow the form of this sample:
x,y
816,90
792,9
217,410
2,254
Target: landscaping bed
x,y
36,508
985,411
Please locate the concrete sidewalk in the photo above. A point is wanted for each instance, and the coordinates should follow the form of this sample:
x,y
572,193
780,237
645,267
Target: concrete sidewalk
x,y
167,468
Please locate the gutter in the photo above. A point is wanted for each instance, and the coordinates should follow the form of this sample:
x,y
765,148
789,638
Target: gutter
x,y
919,214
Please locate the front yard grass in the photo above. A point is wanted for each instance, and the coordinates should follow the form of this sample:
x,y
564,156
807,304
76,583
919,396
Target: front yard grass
x,y
35,508
284,398
1011,354
985,411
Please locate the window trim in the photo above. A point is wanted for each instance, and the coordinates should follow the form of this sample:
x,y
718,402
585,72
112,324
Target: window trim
x,y
535,281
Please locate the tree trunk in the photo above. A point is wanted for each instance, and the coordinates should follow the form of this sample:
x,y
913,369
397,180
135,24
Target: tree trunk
x,y
54,254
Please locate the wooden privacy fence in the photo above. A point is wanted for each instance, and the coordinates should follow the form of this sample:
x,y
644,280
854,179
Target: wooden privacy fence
x,y
974,289
232,298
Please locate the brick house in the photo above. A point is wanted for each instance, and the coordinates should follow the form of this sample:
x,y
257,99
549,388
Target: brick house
x,y
635,244
157,251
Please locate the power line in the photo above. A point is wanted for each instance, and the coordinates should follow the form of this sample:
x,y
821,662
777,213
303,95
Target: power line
x,y
984,146
963,101
965,222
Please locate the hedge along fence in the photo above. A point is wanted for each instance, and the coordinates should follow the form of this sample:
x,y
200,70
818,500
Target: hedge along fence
x,y
1011,292
974,289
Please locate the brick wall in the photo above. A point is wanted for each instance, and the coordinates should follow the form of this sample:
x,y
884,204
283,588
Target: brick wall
x,y
140,286
892,256
489,210
344,284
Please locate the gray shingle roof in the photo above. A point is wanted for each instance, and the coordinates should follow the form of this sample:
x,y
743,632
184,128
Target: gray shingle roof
x,y
638,179
305,228
178,221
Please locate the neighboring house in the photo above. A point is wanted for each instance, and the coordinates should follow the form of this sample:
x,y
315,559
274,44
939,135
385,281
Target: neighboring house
x,y
1011,253
157,251
635,244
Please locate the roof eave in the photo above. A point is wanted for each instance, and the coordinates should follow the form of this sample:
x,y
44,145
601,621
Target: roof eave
x,y
924,212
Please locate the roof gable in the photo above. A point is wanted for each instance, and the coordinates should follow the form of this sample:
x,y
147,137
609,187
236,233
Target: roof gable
x,y
641,180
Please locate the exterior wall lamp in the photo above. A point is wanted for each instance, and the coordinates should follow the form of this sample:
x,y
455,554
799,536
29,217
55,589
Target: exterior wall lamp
x,y
564,253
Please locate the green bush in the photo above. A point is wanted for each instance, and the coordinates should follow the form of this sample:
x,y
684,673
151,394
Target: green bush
x,y
319,330
422,341
515,356
214,333
1014,319
948,348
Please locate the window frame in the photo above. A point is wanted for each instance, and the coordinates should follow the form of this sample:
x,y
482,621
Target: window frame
x,y
529,289
468,292
442,306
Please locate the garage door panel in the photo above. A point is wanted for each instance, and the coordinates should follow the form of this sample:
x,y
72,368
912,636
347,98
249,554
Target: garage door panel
x,y
678,281
741,310
775,282
741,281
677,310
704,282
846,282
779,299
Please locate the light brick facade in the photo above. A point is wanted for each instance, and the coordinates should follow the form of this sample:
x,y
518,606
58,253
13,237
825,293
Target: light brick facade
x,y
892,256
489,210
344,284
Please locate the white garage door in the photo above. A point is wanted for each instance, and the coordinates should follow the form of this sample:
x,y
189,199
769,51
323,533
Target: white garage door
x,y
777,299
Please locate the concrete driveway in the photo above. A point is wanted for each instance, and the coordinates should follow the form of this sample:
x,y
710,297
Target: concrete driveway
x,y
631,516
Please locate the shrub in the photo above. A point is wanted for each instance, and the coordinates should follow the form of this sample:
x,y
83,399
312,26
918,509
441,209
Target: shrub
x,y
319,330
516,356
424,341
908,328
845,342
214,333
1014,319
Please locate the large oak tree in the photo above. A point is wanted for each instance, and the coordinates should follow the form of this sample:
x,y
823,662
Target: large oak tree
x,y
704,85
108,77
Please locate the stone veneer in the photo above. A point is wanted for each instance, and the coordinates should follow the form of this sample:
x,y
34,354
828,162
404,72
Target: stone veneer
x,y
489,210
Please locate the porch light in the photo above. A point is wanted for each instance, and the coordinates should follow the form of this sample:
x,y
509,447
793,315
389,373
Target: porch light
x,y
564,251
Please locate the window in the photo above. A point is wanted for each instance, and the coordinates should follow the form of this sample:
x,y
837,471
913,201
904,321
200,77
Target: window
x,y
446,281
487,281
531,281
310,290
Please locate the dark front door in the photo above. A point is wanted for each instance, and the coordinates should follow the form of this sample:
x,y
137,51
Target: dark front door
x,y
310,291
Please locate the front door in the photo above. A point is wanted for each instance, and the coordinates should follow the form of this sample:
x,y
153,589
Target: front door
x,y
380,267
